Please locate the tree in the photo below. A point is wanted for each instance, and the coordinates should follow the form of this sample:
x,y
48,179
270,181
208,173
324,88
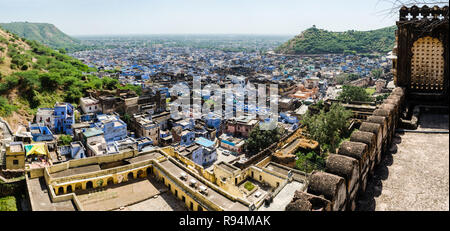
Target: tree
x,y
309,162
382,97
109,83
127,118
327,128
49,81
259,139
377,73
65,139
341,79
353,76
353,93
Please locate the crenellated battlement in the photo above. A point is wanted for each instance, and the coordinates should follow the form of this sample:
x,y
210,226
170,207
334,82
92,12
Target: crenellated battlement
x,y
424,13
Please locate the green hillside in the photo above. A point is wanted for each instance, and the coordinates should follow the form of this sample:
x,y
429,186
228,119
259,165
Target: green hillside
x,y
33,76
44,33
319,41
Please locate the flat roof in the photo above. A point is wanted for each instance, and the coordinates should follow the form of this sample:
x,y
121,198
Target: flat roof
x,y
92,132
152,155
213,196
227,167
75,171
204,142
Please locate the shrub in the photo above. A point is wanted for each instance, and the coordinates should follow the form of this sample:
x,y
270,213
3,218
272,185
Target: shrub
x,y
309,162
353,93
5,107
327,128
65,139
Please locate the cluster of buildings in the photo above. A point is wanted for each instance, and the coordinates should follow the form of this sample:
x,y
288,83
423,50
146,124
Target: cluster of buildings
x,y
122,122
106,122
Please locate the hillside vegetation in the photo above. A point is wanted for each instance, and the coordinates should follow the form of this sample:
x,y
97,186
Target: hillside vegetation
x,y
319,41
33,75
44,33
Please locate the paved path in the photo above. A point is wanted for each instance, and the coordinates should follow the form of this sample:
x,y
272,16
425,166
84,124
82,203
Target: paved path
x,y
283,198
415,176
109,198
41,199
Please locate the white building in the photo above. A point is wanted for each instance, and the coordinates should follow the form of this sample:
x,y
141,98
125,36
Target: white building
x,y
90,105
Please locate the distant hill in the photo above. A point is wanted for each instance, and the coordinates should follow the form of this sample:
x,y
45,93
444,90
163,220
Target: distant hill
x,y
319,41
44,33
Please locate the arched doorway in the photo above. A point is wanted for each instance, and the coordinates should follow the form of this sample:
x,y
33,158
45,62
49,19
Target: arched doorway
x,y
130,176
69,189
110,181
60,190
89,185
427,64
149,171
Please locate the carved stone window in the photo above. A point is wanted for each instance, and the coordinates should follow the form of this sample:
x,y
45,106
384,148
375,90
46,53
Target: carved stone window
x,y
427,64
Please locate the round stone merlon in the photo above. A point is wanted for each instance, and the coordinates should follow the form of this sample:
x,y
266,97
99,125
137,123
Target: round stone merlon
x,y
355,150
340,165
326,184
368,138
370,127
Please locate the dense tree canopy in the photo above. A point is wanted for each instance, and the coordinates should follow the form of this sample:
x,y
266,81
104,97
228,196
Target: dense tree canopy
x,y
260,139
318,41
328,128
353,93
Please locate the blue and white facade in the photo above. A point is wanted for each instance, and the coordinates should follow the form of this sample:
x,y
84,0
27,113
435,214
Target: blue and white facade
x,y
112,126
208,153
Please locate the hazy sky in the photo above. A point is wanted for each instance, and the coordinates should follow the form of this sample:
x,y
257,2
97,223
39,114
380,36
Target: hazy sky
x,y
289,17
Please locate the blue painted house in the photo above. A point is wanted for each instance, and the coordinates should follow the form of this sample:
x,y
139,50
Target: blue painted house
x,y
187,137
213,121
40,132
77,150
64,118
112,126
208,154
143,142
288,118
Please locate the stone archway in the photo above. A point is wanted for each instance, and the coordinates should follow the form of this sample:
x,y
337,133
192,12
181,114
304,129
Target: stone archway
x,y
130,176
61,190
110,181
69,189
89,185
149,171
